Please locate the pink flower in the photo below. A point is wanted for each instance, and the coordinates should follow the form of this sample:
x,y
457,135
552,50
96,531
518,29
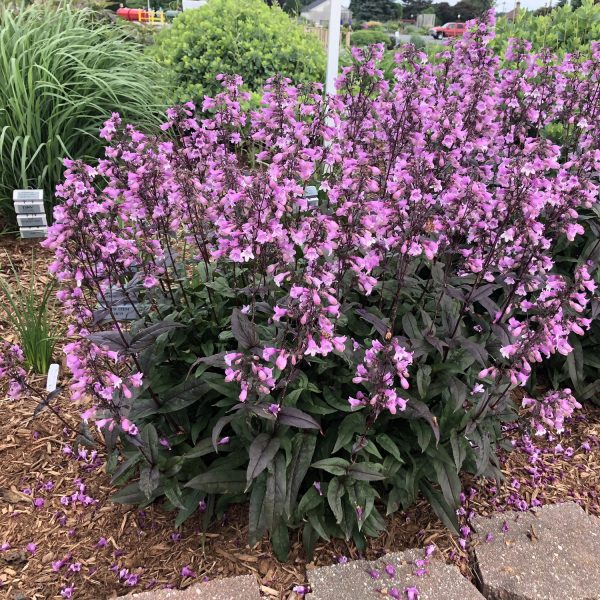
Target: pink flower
x,y
150,281
412,593
31,547
187,572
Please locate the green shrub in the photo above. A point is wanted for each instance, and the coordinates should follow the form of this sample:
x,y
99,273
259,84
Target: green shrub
x,y
418,42
563,30
245,37
30,317
61,77
369,36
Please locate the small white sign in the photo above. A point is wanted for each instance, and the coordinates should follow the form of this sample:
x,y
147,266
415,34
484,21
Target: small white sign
x,y
33,232
124,312
32,220
28,195
29,207
52,378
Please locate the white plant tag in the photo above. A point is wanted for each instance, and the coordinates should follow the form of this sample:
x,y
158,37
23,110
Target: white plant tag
x,y
52,379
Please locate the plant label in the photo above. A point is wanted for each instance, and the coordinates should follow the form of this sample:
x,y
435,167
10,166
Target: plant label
x,y
312,195
124,312
33,232
29,208
28,220
28,195
52,378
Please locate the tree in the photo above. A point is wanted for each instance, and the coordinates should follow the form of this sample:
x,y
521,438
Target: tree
x,y
471,9
445,13
373,10
412,8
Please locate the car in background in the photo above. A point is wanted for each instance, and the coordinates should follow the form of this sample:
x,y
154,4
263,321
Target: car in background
x,y
448,30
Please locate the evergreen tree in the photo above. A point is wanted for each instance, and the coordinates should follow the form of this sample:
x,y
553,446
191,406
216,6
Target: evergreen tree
x,y
373,10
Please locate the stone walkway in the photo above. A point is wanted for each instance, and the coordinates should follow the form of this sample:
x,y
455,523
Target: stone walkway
x,y
550,554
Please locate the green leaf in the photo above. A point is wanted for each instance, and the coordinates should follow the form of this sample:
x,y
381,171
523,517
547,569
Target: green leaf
x,y
415,409
388,444
311,500
182,395
335,492
256,523
309,539
335,466
444,511
149,480
132,494
411,327
478,351
575,364
318,522
124,467
277,479
303,449
280,540
219,481
335,402
366,471
202,448
423,380
190,500
459,451
222,422
173,494
351,424
448,481
150,438
262,451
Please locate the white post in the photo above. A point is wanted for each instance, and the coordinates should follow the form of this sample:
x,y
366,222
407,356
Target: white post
x,y
333,45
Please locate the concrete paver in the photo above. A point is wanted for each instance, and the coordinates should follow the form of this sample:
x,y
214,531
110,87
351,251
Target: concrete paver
x,y
551,554
231,588
352,581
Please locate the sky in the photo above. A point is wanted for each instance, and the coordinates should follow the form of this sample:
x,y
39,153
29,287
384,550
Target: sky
x,y
506,5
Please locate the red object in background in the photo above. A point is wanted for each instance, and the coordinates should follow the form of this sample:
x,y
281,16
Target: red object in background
x,y
134,14
448,30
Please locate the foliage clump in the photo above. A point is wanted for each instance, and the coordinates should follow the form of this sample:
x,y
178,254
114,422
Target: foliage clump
x,y
366,37
564,29
245,37
328,359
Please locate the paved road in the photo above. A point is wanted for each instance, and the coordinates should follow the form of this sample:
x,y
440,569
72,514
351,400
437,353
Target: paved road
x,y
426,38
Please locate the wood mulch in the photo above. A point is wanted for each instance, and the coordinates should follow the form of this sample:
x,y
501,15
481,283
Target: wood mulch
x,y
38,462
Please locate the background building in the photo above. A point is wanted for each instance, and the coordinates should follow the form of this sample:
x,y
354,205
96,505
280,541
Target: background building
x,y
318,12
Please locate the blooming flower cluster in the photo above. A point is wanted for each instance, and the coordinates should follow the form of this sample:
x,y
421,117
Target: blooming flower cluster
x,y
428,250
436,163
381,365
551,410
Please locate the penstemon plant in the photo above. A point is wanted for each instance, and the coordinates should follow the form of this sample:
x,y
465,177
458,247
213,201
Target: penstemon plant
x,y
327,361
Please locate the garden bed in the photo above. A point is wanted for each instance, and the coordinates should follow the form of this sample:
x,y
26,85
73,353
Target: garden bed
x,y
112,546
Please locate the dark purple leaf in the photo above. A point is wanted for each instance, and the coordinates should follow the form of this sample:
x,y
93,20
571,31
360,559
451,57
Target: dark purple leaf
x,y
294,417
113,340
244,331
146,337
380,326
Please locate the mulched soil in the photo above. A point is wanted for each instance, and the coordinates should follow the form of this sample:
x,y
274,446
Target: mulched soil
x,y
38,461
